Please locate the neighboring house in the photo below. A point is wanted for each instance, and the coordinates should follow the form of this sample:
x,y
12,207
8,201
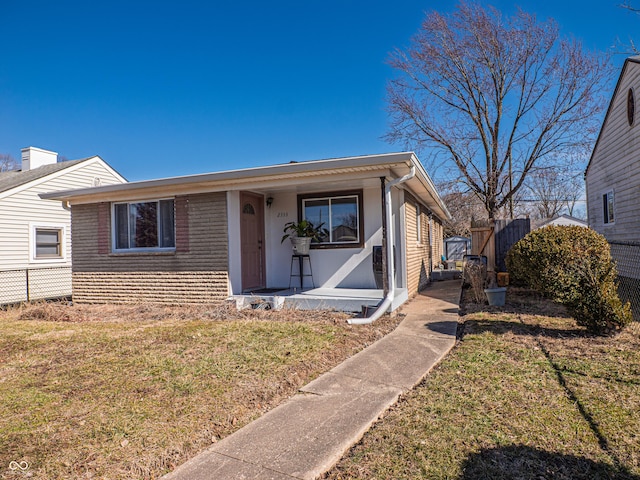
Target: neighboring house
x,y
565,220
613,173
613,181
35,234
205,238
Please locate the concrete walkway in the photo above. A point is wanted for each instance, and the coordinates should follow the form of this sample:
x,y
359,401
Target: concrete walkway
x,y
306,435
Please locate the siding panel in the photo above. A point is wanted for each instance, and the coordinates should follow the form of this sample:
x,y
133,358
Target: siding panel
x,y
615,165
24,206
417,249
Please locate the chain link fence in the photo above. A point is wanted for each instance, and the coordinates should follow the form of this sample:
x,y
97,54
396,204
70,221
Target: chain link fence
x,y
34,284
627,257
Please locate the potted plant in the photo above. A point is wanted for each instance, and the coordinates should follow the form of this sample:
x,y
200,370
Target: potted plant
x,y
496,295
301,234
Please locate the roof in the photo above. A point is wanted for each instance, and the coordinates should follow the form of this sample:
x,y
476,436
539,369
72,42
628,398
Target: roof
x,y
16,178
563,219
393,165
632,59
457,238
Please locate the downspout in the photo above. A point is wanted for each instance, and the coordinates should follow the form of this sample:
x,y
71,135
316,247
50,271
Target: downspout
x,y
388,300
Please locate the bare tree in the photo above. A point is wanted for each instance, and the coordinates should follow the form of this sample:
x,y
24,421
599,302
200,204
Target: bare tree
x,y
548,192
464,207
630,47
575,191
7,162
629,6
495,95
555,190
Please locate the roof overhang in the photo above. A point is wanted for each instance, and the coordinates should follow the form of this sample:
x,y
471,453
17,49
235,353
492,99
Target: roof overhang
x,y
392,165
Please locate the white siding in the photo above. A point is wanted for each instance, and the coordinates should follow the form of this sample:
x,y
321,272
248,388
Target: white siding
x,y
615,165
20,211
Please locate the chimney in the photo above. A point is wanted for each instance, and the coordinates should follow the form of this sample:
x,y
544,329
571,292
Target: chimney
x,y
33,157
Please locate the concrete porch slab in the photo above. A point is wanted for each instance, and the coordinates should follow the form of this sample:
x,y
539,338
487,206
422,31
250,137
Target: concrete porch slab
x,y
339,299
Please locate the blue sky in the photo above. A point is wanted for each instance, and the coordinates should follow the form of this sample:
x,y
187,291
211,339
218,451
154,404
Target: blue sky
x,y
162,88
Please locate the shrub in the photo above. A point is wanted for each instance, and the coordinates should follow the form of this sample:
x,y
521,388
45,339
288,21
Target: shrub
x,y
573,266
476,274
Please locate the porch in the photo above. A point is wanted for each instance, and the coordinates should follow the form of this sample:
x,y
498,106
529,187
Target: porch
x,y
323,298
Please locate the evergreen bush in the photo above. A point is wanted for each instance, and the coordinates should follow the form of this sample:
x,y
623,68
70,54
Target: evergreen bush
x,y
573,266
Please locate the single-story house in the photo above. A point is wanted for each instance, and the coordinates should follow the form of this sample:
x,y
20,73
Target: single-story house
x,y
209,237
613,181
562,220
35,234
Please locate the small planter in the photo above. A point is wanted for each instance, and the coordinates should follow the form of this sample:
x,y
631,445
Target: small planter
x,y
301,233
496,296
301,245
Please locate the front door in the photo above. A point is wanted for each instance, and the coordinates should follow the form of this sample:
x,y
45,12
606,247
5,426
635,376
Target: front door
x,y
252,240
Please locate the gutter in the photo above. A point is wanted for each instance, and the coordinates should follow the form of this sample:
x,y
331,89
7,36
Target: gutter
x,y
388,300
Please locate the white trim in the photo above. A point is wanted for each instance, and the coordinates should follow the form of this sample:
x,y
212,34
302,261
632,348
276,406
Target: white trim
x,y
272,177
33,226
141,249
64,171
356,243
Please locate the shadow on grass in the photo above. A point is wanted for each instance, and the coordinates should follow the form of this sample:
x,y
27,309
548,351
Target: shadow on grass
x,y
522,462
479,326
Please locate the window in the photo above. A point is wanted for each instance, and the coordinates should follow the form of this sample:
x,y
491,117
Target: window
x,y
48,243
340,215
631,107
607,206
144,225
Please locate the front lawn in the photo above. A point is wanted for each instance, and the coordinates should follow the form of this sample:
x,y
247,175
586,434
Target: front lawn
x,y
130,392
526,394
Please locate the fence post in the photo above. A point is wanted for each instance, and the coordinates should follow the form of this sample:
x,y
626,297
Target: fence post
x,y
26,271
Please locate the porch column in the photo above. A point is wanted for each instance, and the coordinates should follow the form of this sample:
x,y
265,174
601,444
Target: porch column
x,y
385,262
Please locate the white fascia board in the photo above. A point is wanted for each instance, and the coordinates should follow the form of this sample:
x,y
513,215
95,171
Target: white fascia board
x,y
226,180
431,190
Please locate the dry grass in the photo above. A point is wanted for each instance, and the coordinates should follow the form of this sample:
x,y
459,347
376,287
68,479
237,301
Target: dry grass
x,y
526,394
129,392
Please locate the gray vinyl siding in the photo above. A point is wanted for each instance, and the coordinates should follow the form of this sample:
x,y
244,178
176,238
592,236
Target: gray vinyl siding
x,y
615,165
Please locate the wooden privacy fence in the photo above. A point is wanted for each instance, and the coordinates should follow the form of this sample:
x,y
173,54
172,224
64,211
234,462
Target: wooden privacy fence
x,y
494,239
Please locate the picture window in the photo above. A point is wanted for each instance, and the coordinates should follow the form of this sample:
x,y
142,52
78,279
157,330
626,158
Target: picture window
x,y
340,215
146,225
